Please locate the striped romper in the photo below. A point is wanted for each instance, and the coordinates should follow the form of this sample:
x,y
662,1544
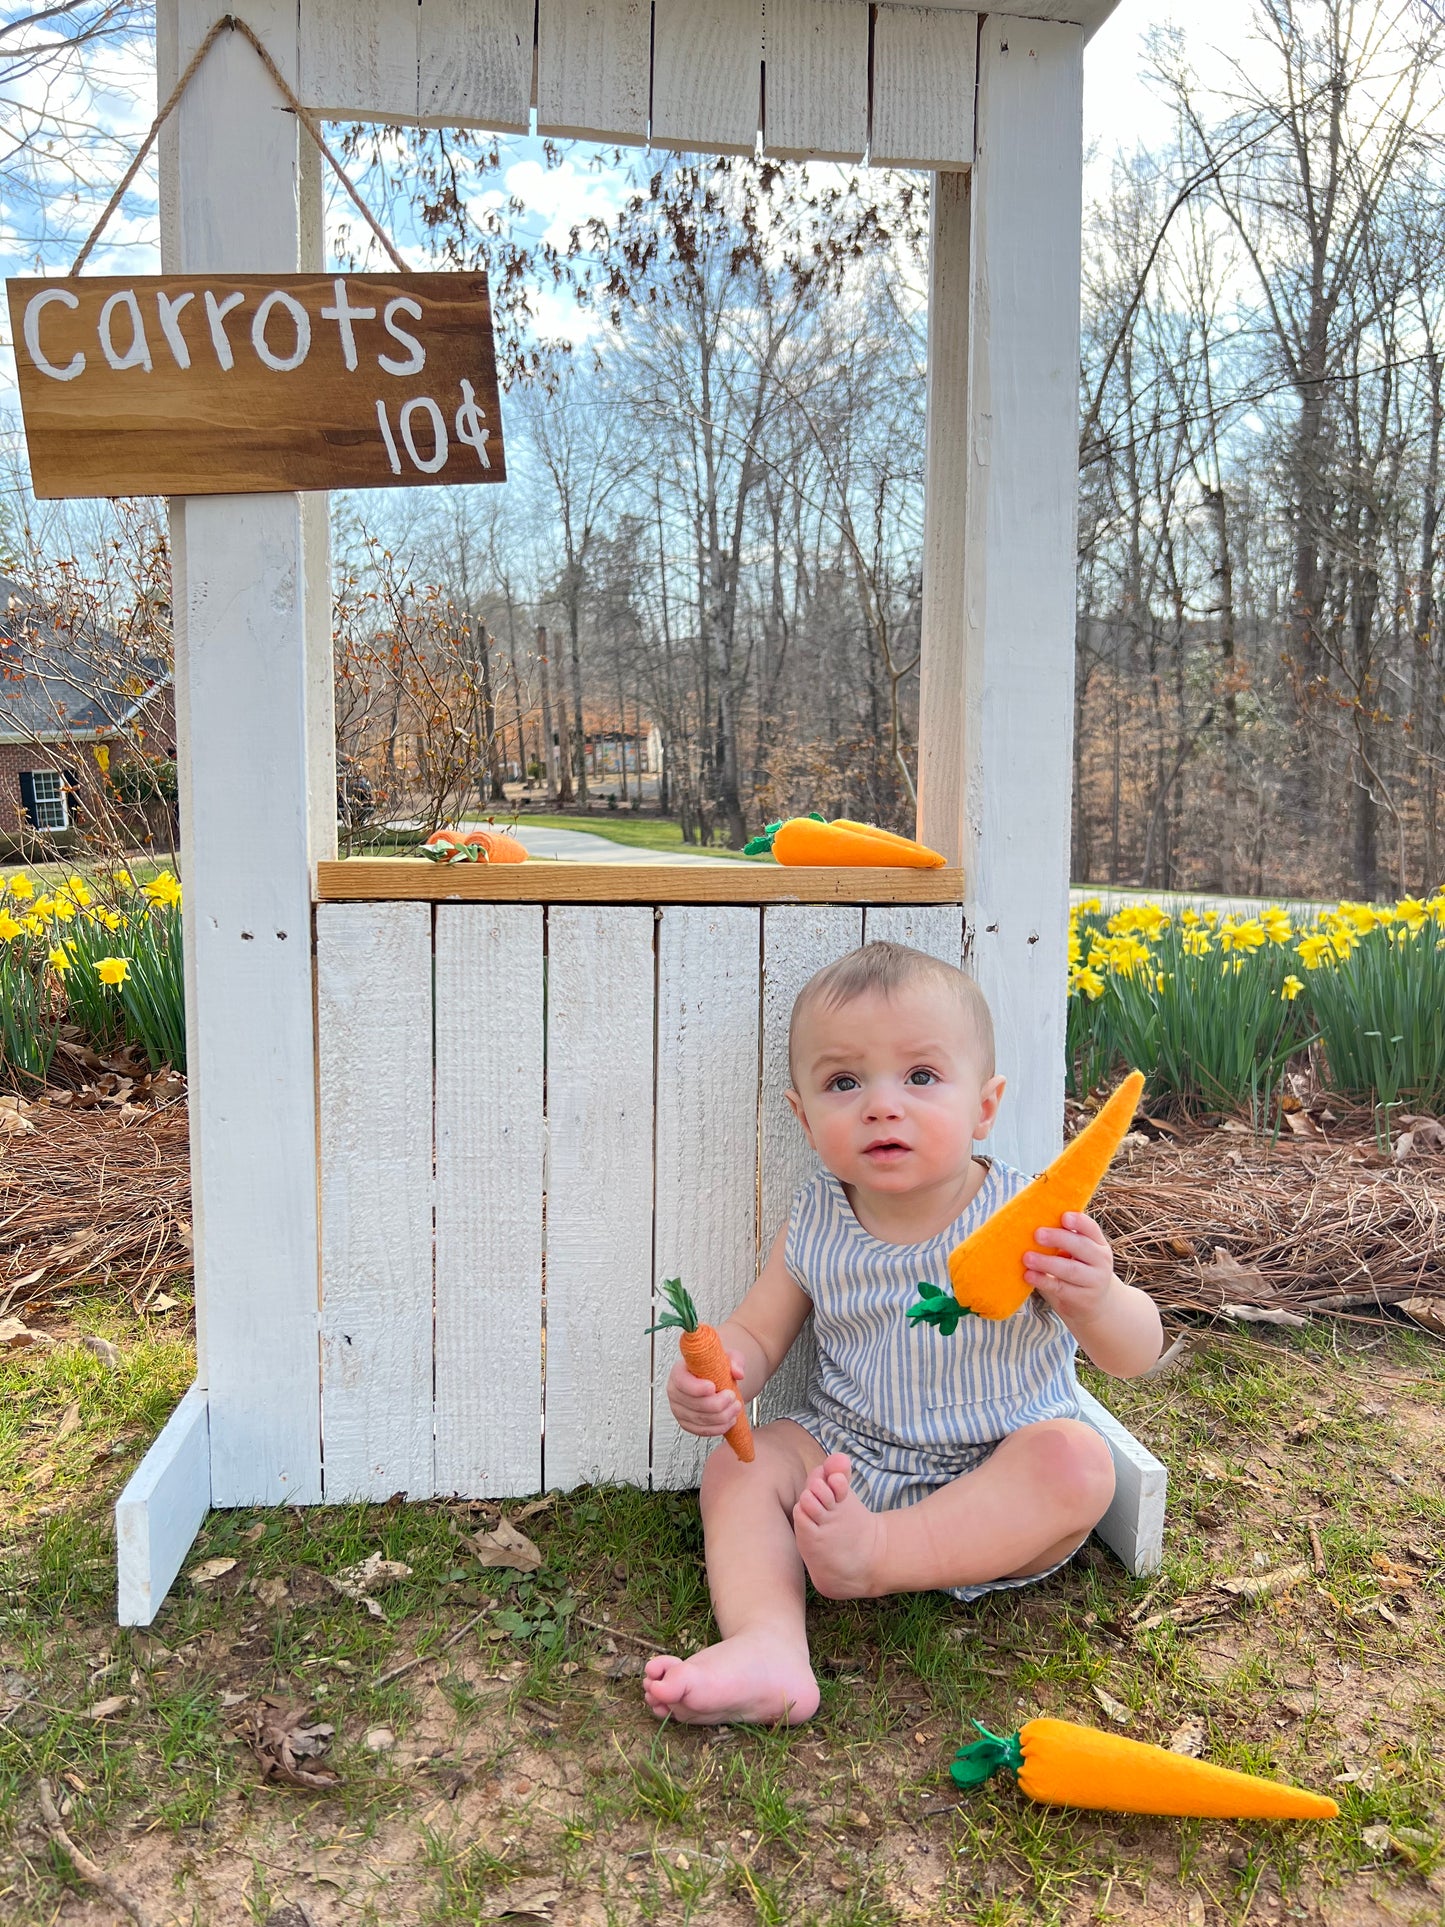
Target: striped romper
x,y
912,1408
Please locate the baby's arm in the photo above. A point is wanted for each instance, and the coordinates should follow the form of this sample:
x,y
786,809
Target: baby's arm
x,y
1117,1327
756,1339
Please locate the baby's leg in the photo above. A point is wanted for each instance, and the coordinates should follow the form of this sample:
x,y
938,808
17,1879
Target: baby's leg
x,y
1025,1508
759,1669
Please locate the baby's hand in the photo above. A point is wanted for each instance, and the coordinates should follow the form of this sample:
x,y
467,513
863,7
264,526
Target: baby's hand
x,y
1074,1272
697,1407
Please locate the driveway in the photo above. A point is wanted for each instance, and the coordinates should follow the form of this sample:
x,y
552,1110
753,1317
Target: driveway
x,y
581,846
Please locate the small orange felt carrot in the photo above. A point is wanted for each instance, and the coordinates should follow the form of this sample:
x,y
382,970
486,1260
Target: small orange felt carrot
x,y
703,1354
474,846
987,1269
813,840
1064,1765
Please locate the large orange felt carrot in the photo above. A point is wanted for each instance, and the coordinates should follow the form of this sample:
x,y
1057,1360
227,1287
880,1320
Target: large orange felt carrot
x,y
1064,1765
987,1269
812,840
703,1354
474,846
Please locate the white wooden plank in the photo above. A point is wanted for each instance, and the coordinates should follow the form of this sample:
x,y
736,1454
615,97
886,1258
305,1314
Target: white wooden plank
x,y
705,1231
936,928
161,1510
598,1396
490,1148
1089,14
374,1022
924,63
593,68
474,62
798,940
244,608
359,58
707,74
1133,1527
999,552
815,102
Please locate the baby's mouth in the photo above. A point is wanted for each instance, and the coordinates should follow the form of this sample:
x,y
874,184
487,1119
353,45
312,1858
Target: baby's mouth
x,y
884,1148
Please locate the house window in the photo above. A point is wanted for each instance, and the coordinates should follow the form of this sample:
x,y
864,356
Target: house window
x,y
43,792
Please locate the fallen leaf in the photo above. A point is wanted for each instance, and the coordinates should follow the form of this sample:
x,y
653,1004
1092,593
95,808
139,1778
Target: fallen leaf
x,y
1188,1739
506,1547
355,1582
162,1303
1116,1709
1302,1124
1234,1279
1428,1312
531,1510
1178,1354
229,1699
271,1591
525,1904
15,1335
12,1124
284,1743
108,1708
379,1739
618,1666
209,1569
102,1349
1262,1315
1264,1585
69,1421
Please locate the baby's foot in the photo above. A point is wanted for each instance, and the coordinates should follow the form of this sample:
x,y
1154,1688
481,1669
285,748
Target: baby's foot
x,y
840,1539
748,1678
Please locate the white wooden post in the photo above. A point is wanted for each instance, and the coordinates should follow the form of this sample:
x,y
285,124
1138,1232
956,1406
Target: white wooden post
x,y
999,539
252,618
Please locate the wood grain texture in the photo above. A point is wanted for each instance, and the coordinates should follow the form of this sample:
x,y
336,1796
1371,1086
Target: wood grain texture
x,y
923,79
374,1026
598,1403
797,943
1090,14
594,68
706,1193
490,1153
396,879
816,93
359,58
254,383
242,605
707,75
474,63
935,928
161,1510
1133,1527
998,692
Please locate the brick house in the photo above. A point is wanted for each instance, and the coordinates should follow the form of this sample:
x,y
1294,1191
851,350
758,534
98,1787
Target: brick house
x,y
76,705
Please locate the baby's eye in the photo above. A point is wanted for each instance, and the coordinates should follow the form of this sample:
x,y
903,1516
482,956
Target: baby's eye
x,y
843,1082
922,1076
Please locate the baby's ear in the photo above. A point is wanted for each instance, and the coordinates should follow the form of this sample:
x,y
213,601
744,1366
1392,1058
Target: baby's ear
x,y
796,1104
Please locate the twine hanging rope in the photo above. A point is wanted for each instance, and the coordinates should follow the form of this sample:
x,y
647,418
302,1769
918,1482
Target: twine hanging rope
x,y
229,23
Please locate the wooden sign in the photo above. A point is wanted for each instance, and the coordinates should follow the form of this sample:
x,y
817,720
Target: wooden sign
x,y
244,384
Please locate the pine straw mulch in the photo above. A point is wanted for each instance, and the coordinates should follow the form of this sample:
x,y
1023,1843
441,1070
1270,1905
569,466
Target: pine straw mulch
x,y
95,1195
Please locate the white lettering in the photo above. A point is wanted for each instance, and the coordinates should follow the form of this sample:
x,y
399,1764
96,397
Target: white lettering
x,y
33,306
168,307
278,298
438,457
138,355
216,312
417,359
388,438
469,424
344,314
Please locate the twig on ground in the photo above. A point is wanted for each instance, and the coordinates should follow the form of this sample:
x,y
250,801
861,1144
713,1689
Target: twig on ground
x,y
1317,1551
620,1632
83,1864
395,1672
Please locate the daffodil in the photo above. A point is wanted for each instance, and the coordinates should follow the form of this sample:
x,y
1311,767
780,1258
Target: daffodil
x,y
62,909
1291,988
58,961
1315,950
1197,942
78,892
44,907
1276,924
35,925
21,888
163,889
8,927
113,970
1090,982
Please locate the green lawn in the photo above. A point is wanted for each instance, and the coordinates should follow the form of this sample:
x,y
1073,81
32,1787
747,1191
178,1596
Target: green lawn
x,y
638,833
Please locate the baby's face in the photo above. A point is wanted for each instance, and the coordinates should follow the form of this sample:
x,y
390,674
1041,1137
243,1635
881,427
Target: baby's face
x,y
889,1089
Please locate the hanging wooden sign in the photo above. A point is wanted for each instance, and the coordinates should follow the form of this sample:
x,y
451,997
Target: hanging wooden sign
x,y
240,384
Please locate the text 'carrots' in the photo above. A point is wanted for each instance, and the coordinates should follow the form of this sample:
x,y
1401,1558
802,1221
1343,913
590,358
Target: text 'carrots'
x,y
705,1357
987,1269
813,840
1064,1765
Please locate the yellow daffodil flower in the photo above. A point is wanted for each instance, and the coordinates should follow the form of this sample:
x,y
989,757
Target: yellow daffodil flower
x,y
8,927
113,970
1247,936
21,888
1291,988
1090,982
35,925
1315,950
1275,924
58,962
163,889
44,907
1197,942
78,891
62,909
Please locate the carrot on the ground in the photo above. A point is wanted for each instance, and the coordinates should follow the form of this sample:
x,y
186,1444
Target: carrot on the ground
x,y
705,1356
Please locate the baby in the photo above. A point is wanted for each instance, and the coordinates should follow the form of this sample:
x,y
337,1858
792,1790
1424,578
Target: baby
x,y
915,1462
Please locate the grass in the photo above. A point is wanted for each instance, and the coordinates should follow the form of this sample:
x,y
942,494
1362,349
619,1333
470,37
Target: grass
x,y
638,833
525,1768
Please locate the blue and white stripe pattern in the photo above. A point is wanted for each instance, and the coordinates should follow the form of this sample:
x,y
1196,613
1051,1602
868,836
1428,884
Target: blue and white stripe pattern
x,y
912,1408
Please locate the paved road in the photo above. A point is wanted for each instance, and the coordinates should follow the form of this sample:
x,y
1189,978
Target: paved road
x,y
581,846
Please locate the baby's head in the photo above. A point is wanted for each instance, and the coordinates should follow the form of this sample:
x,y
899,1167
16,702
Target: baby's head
x,y
891,1057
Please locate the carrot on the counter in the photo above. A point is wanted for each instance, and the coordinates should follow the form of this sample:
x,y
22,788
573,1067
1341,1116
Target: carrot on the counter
x,y
813,840
474,846
704,1355
1065,1765
987,1269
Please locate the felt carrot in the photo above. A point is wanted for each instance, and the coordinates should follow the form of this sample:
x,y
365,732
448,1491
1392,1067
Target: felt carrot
x,y
704,1356
987,1269
474,846
814,840
1064,1765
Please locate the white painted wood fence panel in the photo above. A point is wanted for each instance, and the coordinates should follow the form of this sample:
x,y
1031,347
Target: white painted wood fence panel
x,y
923,80
474,62
161,1510
705,1230
359,51
373,1001
935,928
798,940
490,1155
600,993
707,75
593,68
816,91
